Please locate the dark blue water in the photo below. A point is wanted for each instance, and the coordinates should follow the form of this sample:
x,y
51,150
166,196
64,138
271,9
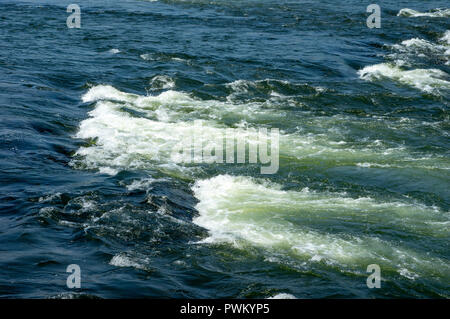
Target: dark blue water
x,y
364,157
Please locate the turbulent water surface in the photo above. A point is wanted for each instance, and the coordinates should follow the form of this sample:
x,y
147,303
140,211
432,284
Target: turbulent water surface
x,y
89,118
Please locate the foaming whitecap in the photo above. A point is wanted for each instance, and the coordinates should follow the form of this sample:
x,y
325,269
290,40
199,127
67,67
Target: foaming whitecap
x,y
174,105
417,44
244,211
446,37
409,51
282,296
130,131
122,260
436,13
162,82
426,80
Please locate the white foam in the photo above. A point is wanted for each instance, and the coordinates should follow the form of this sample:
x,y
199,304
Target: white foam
x,y
49,198
108,170
131,131
283,296
436,13
180,60
446,37
147,57
427,80
408,274
127,142
159,82
122,260
373,165
144,183
423,48
239,87
417,43
101,92
176,105
244,211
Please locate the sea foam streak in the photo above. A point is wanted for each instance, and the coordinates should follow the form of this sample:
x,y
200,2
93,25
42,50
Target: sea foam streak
x,y
431,81
418,45
446,37
436,13
173,105
412,49
244,211
130,131
140,132
427,80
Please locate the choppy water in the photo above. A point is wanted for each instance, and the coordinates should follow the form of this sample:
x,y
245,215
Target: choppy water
x,y
89,117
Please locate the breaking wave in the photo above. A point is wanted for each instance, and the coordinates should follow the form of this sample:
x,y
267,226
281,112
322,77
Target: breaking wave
x,y
243,211
436,13
426,80
402,69
127,132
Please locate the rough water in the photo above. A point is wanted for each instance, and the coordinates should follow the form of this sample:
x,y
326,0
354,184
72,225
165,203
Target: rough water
x,y
90,118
